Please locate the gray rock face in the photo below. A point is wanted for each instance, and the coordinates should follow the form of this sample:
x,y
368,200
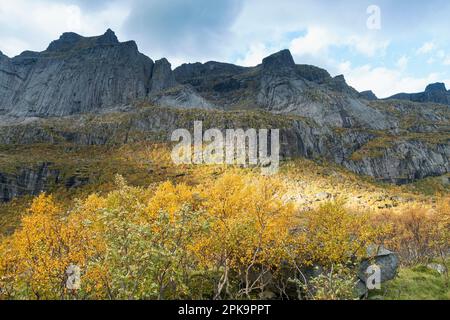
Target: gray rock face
x,y
198,74
368,95
94,75
165,91
405,162
74,75
279,85
26,182
181,97
279,62
162,77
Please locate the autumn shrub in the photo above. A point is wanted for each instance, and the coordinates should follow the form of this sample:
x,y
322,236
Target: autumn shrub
x,y
334,283
146,234
34,260
232,236
333,240
333,234
418,234
250,232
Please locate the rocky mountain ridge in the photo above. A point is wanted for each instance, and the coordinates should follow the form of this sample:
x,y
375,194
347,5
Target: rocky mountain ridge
x,y
434,93
91,91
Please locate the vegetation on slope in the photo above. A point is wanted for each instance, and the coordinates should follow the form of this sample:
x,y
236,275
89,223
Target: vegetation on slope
x,y
213,232
203,226
416,283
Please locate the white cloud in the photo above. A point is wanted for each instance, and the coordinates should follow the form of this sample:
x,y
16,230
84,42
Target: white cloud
x,y
383,81
11,46
402,63
318,40
427,47
254,55
446,61
36,23
368,45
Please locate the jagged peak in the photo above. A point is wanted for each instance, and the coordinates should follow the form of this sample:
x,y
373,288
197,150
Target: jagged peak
x,y
368,95
70,40
3,56
438,86
340,77
163,61
109,37
67,39
280,60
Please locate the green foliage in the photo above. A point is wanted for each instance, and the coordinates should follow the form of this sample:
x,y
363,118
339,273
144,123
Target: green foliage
x,y
225,238
336,283
415,283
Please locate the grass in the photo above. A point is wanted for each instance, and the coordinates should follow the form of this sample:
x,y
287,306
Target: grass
x,y
415,283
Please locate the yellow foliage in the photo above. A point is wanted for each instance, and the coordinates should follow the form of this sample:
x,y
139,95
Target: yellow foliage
x,y
419,234
332,235
252,221
152,242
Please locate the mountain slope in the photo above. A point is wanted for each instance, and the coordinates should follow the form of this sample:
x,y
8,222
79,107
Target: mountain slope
x,y
97,91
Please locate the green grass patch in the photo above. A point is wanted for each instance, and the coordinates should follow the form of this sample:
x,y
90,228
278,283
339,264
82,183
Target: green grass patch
x,y
416,283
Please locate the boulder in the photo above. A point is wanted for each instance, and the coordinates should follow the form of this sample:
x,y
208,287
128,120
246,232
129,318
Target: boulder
x,y
437,267
387,261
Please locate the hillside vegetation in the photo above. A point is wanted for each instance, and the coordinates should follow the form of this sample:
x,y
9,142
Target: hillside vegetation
x,y
158,231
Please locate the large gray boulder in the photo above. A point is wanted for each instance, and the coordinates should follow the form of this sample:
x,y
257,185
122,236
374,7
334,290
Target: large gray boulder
x,y
387,261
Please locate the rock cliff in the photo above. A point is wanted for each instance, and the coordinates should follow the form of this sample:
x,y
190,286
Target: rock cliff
x,y
65,93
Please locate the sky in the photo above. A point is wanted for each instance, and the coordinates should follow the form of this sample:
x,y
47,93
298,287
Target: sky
x,y
387,46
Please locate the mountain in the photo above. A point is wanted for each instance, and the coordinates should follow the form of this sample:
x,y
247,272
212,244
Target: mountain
x,y
96,91
279,85
368,95
74,75
434,93
78,75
